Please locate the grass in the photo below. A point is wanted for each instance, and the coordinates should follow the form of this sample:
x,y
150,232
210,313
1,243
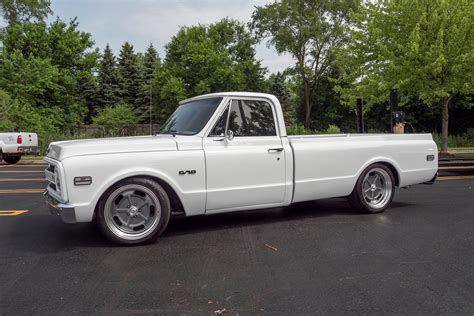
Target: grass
x,y
32,158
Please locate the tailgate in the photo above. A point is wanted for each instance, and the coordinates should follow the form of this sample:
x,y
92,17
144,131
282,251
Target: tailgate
x,y
29,140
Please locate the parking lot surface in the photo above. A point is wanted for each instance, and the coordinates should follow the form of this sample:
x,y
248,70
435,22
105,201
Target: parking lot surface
x,y
317,257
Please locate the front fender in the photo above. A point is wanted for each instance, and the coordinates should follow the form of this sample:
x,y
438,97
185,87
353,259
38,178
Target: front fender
x,y
106,170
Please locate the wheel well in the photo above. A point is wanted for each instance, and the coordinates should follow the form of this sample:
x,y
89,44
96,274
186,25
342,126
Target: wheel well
x,y
393,170
176,205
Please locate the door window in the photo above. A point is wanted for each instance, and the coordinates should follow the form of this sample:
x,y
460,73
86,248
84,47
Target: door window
x,y
251,118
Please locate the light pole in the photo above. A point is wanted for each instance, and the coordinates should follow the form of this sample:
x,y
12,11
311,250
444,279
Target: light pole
x,y
151,108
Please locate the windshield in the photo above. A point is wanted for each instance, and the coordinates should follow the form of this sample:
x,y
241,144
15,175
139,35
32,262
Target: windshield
x,y
190,118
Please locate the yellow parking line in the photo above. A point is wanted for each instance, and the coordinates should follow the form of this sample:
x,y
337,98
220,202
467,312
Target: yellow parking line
x,y
21,179
15,191
21,171
455,178
12,212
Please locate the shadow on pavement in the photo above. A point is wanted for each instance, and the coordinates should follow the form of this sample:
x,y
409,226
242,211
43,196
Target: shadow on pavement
x,y
47,234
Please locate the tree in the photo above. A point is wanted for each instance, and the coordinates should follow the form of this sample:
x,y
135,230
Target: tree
x,y
280,89
109,90
309,30
116,120
129,71
20,11
151,64
218,57
425,48
58,57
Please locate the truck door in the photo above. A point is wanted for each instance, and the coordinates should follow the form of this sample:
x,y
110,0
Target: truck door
x,y
247,170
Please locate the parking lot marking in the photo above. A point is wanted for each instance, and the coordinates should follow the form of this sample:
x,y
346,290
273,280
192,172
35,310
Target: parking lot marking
x,y
12,212
15,191
21,171
21,179
456,178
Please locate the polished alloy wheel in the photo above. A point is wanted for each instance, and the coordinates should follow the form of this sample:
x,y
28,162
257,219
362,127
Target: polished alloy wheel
x,y
132,212
377,188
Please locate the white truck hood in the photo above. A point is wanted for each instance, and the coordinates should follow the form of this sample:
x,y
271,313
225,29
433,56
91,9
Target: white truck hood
x,y
65,149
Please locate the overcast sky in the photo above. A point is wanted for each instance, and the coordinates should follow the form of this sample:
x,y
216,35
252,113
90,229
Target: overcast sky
x,y
142,22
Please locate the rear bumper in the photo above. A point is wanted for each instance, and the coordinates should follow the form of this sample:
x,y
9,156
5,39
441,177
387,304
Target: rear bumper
x,y
65,211
28,150
432,180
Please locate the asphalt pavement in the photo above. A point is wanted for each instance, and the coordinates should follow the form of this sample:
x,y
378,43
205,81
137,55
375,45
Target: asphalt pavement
x,y
316,257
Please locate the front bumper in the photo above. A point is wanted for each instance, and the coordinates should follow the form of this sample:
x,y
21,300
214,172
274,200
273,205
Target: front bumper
x,y
66,212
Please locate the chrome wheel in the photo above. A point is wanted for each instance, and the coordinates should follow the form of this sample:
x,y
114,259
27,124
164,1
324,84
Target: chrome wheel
x,y
132,212
377,188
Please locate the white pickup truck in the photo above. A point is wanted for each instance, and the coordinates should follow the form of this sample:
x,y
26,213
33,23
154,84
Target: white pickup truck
x,y
220,153
15,145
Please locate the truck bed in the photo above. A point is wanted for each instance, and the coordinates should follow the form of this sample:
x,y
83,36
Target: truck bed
x,y
324,164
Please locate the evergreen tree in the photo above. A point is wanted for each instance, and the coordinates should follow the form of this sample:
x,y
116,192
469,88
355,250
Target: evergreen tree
x,y
151,63
129,70
109,92
281,91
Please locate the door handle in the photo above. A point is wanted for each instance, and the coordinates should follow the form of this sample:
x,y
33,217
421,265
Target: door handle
x,y
275,150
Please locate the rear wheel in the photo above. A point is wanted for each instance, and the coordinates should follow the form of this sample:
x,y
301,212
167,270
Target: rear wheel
x,y
374,189
11,160
133,212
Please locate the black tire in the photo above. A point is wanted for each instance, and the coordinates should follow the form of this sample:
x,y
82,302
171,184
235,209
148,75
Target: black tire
x,y
369,199
110,215
11,160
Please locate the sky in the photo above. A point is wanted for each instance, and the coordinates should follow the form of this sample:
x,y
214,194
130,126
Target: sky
x,y
142,22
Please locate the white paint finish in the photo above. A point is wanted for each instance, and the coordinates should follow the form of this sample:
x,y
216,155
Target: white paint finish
x,y
104,146
240,174
8,142
107,170
329,165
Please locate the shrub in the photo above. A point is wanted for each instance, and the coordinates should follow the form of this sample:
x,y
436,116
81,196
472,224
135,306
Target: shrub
x,y
297,129
333,129
116,120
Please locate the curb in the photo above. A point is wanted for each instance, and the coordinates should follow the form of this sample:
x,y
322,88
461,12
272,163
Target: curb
x,y
26,162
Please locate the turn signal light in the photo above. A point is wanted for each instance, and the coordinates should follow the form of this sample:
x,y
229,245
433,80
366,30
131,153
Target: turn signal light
x,y
19,140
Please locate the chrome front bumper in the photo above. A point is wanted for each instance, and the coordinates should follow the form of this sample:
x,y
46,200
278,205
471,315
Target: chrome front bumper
x,y
66,212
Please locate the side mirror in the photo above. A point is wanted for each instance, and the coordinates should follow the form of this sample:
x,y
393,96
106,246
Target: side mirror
x,y
229,135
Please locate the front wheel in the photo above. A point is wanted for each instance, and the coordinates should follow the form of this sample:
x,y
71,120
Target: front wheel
x,y
134,211
11,160
374,189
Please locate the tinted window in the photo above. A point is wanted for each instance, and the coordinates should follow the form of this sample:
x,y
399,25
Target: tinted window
x,y
251,118
190,118
219,128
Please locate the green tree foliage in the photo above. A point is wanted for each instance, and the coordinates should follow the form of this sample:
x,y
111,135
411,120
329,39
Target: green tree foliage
x,y
310,31
116,120
280,89
150,67
170,90
425,48
214,58
19,11
109,90
46,66
129,70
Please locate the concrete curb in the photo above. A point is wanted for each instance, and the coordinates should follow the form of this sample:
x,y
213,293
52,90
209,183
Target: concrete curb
x,y
26,162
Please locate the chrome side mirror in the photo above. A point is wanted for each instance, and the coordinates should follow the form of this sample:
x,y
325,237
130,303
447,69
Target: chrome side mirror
x,y
229,135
